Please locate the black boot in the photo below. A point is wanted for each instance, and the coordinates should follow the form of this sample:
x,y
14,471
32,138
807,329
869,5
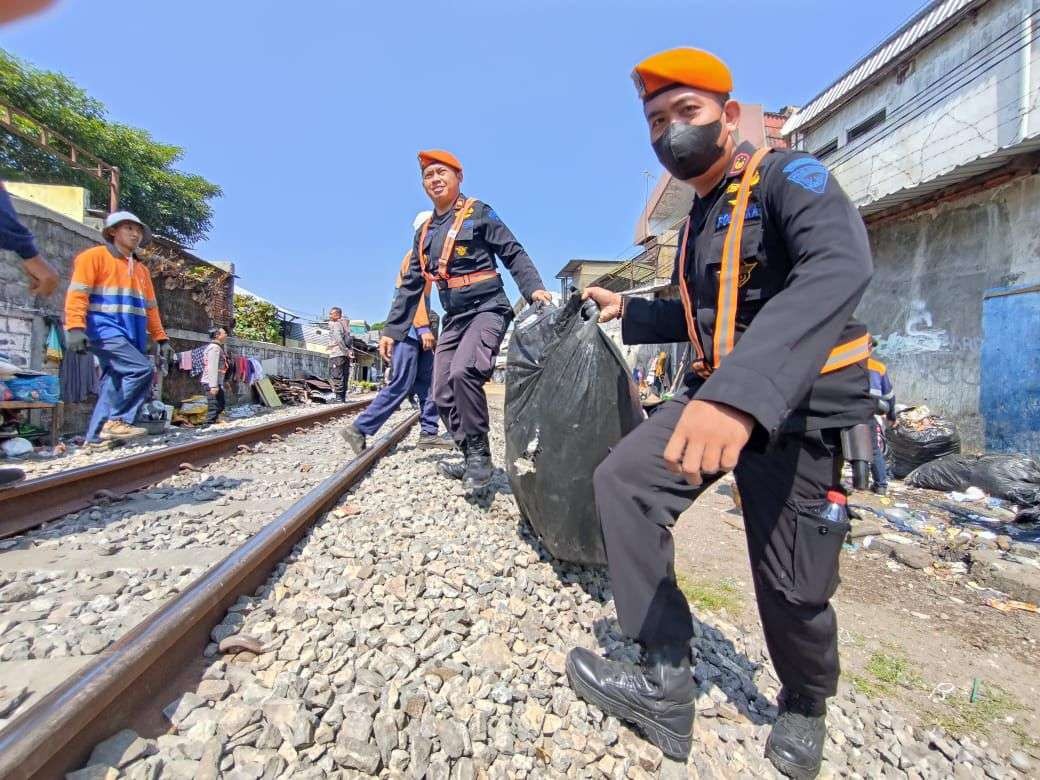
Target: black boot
x,y
656,695
478,463
795,745
354,438
454,469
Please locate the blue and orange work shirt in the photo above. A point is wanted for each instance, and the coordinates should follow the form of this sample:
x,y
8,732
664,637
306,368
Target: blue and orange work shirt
x,y
112,297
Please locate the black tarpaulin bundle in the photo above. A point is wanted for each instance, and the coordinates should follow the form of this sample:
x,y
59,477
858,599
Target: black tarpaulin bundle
x,y
914,441
569,399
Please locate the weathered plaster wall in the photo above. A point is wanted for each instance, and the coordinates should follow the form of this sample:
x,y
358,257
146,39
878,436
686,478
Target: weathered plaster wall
x,y
932,271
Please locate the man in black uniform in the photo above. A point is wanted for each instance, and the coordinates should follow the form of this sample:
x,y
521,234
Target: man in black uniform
x,y
773,260
455,249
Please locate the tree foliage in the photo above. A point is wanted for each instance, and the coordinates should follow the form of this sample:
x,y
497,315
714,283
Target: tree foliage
x,y
256,320
173,203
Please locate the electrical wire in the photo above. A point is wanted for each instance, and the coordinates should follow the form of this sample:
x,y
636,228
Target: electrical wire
x,y
936,91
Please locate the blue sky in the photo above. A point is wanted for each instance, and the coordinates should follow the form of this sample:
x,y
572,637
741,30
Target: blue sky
x,y
309,114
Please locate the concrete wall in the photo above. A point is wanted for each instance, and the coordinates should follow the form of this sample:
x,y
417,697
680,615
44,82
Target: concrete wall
x,y
985,104
293,363
67,200
932,271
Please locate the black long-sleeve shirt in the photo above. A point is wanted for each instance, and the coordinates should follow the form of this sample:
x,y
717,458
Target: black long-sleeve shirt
x,y
481,237
805,264
14,236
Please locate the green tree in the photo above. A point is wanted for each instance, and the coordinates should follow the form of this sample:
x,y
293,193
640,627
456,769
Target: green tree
x,y
172,203
256,320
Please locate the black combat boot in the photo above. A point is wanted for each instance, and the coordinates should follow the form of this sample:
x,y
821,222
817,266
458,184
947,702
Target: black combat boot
x,y
795,745
354,438
656,695
454,469
478,463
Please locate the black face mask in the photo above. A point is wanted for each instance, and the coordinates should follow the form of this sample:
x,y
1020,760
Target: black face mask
x,y
688,151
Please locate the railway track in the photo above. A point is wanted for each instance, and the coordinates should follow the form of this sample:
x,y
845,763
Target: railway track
x,y
57,733
36,501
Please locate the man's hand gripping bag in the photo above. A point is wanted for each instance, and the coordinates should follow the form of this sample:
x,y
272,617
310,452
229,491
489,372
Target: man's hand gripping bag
x,y
569,399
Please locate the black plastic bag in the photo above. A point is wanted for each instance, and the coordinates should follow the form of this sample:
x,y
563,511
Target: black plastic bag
x,y
912,444
569,399
1014,478
952,472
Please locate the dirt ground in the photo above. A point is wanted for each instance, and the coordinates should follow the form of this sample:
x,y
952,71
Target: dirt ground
x,y
920,640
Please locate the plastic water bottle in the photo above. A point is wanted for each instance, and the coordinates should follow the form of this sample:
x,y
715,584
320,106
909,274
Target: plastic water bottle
x,y
835,511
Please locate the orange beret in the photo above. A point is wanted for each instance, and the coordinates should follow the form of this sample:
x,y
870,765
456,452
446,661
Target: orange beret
x,y
431,156
687,67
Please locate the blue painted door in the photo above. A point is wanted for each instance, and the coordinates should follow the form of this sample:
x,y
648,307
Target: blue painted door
x,y
1010,394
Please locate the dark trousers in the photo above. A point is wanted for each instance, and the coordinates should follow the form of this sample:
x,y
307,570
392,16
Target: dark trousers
x,y
878,467
464,362
339,376
126,383
214,406
411,371
794,567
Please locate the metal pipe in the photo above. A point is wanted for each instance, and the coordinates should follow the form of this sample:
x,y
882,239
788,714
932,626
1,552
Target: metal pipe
x,y
57,733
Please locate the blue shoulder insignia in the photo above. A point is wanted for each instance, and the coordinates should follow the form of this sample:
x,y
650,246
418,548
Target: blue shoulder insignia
x,y
808,173
492,215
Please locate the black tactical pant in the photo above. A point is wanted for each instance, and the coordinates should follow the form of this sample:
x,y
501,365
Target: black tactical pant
x,y
794,566
339,376
462,365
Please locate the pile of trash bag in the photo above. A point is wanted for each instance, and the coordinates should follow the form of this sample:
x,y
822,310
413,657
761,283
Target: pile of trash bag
x,y
1012,477
952,472
569,399
919,437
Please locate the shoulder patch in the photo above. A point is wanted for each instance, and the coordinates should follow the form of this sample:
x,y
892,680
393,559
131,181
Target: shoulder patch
x,y
492,215
808,173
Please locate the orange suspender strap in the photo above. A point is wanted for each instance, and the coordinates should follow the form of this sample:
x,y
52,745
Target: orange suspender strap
x,y
698,365
841,356
449,243
846,354
729,274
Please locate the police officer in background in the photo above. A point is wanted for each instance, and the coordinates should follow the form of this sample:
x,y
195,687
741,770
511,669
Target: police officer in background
x,y
772,262
455,249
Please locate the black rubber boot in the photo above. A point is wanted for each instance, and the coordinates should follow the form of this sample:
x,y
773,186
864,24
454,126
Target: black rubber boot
x,y
656,695
454,469
479,469
795,745
354,438
10,477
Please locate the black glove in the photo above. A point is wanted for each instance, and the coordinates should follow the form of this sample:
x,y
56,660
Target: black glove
x,y
76,340
166,351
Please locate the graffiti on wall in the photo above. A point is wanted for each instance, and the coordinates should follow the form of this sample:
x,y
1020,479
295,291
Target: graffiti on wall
x,y
919,335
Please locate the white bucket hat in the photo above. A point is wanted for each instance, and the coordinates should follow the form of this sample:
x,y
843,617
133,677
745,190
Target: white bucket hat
x,y
117,217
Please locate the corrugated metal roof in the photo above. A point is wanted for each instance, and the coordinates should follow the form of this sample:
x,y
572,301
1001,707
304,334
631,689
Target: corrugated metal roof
x,y
961,173
932,21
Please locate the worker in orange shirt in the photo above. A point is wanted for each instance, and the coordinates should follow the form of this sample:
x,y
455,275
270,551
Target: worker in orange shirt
x,y
111,309
411,371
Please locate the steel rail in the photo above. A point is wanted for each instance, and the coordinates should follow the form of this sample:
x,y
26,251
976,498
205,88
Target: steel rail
x,y
56,734
35,501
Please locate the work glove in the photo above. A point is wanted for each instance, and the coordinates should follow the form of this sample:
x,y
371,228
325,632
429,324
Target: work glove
x,y
76,340
166,352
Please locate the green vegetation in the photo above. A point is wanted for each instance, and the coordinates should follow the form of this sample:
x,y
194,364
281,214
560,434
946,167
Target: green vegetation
x,y
173,203
711,596
959,716
884,674
256,320
890,675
